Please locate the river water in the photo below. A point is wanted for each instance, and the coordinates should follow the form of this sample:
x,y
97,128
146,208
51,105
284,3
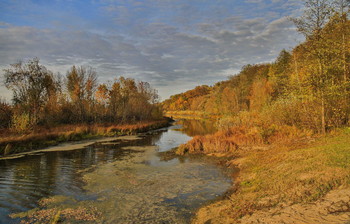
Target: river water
x,y
128,180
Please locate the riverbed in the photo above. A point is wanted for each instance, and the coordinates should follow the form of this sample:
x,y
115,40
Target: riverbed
x,y
127,180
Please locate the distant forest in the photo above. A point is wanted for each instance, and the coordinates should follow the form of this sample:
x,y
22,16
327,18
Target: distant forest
x,y
41,98
307,87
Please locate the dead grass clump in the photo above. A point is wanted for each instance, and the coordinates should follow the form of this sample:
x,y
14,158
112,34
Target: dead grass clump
x,y
208,144
227,141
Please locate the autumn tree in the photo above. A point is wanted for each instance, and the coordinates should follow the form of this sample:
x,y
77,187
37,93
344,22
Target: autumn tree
x,y
81,83
316,15
31,84
278,73
52,107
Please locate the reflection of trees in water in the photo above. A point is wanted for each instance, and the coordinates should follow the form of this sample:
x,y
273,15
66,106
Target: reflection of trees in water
x,y
197,127
156,136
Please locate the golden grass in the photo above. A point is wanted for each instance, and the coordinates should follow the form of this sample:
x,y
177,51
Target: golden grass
x,y
227,141
284,174
215,143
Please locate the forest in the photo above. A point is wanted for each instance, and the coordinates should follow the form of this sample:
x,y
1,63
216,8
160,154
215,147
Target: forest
x,y
307,87
48,109
284,125
41,98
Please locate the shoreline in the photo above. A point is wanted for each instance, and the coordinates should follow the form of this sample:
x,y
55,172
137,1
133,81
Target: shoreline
x,y
276,183
36,143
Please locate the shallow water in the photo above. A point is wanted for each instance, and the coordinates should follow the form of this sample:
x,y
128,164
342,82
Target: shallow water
x,y
127,180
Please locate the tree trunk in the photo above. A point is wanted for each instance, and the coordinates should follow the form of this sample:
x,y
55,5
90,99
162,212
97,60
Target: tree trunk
x,y
344,59
323,113
323,119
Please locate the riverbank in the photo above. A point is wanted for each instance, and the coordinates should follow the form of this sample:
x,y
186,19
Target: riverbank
x,y
305,180
14,144
138,176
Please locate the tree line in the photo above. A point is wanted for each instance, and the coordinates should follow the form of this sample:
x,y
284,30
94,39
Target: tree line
x,y
307,87
42,98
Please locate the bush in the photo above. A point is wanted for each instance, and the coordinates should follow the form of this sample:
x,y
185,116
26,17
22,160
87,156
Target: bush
x,y
20,123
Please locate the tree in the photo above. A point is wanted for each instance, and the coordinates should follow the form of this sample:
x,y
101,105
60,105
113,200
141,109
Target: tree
x,y
81,83
278,73
316,15
115,99
31,84
5,114
342,8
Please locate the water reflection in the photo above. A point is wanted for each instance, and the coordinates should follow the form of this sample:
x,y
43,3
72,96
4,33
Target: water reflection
x,y
26,180
197,127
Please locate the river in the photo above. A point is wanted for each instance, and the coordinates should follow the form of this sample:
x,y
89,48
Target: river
x,y
128,180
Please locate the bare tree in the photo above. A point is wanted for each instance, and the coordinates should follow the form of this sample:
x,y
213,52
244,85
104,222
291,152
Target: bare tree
x,y
341,6
315,17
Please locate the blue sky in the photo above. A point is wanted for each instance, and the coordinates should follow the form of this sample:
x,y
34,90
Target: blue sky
x,y
175,45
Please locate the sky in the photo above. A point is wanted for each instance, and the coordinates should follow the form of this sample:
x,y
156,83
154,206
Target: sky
x,y
174,45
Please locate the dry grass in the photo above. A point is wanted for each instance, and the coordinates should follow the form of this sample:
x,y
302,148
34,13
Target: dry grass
x,y
227,141
215,143
284,175
43,136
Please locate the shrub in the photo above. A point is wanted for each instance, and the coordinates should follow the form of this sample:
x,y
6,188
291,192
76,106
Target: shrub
x,y
20,123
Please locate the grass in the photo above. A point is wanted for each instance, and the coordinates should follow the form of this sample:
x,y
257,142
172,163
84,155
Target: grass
x,y
12,143
284,174
216,143
229,140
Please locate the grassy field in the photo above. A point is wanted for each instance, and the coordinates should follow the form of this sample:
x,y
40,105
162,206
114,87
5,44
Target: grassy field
x,y
298,172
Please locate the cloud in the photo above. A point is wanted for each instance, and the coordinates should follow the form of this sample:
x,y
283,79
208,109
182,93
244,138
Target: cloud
x,y
151,43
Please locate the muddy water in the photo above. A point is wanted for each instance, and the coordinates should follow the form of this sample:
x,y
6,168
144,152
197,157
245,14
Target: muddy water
x,y
128,180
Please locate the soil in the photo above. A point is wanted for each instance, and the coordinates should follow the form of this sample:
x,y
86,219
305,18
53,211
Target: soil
x,y
334,208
